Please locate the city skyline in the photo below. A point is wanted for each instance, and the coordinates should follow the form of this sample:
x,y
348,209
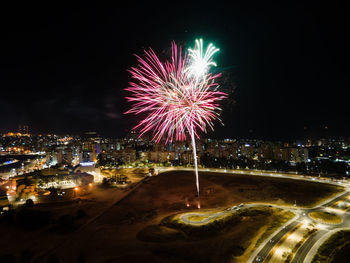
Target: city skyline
x,y
209,131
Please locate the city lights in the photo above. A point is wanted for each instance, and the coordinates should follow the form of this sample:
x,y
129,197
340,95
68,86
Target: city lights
x,y
175,132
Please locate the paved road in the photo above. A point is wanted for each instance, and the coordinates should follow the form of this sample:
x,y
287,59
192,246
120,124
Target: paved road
x,y
204,221
269,245
185,217
333,201
310,242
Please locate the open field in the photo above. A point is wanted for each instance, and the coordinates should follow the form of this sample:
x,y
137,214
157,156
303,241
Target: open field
x,y
132,229
133,174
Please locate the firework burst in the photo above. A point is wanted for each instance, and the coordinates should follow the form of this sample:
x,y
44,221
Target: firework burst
x,y
178,97
201,63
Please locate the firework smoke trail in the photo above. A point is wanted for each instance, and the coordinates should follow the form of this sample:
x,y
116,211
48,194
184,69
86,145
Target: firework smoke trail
x,y
178,97
194,149
199,66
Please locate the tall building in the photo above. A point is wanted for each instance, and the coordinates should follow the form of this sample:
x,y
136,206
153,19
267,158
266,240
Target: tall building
x,y
24,129
89,151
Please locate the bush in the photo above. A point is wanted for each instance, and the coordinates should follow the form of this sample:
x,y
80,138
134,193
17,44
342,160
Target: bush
x,y
81,258
331,246
66,223
105,182
53,259
29,203
81,213
8,217
27,255
253,212
29,218
8,258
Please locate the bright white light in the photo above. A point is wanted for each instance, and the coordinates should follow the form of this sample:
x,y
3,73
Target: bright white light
x,y
87,163
200,62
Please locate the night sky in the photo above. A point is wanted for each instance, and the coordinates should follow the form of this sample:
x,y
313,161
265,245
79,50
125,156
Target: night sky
x,y
286,66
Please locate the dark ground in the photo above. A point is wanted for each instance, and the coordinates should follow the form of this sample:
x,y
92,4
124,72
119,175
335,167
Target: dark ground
x,y
112,237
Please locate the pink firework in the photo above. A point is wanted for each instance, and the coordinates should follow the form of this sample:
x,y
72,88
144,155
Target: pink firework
x,y
179,96
175,101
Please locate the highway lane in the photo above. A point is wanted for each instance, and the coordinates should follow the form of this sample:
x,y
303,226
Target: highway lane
x,y
331,202
308,244
269,245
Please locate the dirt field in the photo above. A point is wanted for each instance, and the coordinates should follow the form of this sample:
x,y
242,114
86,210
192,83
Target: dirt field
x,y
113,237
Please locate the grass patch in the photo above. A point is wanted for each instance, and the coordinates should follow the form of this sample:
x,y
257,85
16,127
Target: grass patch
x,y
212,228
197,218
216,226
223,240
329,249
325,217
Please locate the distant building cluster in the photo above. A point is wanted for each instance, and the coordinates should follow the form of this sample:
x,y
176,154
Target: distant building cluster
x,y
90,151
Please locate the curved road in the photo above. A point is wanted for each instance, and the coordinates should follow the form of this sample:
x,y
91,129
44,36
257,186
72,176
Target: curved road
x,y
310,241
308,244
185,217
206,220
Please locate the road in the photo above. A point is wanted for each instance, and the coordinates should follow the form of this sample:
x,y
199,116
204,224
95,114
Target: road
x,y
305,248
185,217
303,213
209,216
269,245
308,244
